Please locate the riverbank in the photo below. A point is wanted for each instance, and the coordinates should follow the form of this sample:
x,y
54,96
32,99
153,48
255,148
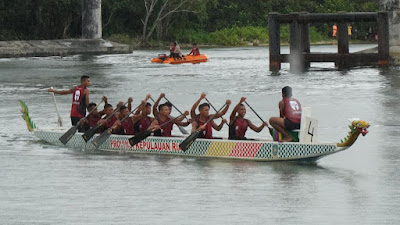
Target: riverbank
x,y
61,47
135,44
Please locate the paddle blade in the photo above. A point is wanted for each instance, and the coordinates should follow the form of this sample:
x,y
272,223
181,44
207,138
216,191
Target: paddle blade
x,y
185,145
139,137
183,131
90,133
68,135
102,138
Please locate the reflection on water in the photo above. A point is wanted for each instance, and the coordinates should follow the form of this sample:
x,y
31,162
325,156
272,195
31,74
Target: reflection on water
x,y
58,185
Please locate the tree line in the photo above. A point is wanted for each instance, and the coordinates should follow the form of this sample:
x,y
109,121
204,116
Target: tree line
x,y
203,21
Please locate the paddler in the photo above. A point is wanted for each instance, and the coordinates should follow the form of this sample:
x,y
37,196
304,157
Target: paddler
x,y
290,114
199,120
108,111
164,117
144,123
80,99
238,124
156,112
126,127
92,119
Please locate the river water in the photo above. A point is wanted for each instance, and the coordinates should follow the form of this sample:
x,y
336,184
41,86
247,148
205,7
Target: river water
x,y
43,184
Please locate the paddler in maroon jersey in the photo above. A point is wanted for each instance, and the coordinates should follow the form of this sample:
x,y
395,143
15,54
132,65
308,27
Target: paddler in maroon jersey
x,y
165,116
199,120
290,114
238,124
126,127
92,119
144,123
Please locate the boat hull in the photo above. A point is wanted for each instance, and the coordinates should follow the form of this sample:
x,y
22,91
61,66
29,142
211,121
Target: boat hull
x,y
216,148
184,59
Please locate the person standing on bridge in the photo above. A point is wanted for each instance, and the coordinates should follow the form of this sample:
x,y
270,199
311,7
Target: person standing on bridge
x,y
334,30
290,115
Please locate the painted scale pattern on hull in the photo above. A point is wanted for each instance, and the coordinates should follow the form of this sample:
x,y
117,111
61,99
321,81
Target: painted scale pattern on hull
x,y
253,150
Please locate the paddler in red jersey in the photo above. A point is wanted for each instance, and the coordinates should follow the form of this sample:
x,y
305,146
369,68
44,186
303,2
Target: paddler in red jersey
x,y
108,111
165,116
238,124
156,112
290,114
91,119
144,123
126,127
80,99
199,120
195,50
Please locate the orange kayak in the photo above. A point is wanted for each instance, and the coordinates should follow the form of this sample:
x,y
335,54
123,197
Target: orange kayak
x,y
162,58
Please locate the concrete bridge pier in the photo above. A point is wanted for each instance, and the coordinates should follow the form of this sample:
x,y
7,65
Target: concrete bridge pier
x,y
91,19
393,8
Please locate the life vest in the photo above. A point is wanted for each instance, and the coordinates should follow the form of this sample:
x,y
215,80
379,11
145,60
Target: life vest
x,y
292,109
206,133
127,127
196,51
237,130
172,48
142,124
166,130
78,108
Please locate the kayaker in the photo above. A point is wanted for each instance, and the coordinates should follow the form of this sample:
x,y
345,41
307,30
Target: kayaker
x,y
238,124
290,114
164,117
80,99
195,50
199,120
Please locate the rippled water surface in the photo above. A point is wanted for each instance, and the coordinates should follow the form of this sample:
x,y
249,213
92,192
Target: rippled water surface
x,y
43,184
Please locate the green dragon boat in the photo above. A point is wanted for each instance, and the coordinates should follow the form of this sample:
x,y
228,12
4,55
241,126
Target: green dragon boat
x,y
307,149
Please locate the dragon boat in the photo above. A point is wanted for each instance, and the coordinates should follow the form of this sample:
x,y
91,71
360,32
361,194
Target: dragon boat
x,y
163,58
307,149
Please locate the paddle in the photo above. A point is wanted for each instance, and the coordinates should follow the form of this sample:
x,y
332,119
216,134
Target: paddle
x,y
144,134
269,128
68,135
92,131
55,104
180,128
189,140
214,109
107,133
